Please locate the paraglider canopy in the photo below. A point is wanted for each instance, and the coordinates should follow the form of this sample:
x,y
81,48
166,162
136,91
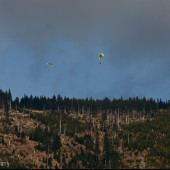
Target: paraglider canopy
x,y
101,55
49,65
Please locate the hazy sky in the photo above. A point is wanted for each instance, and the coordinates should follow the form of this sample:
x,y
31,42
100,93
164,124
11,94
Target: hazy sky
x,y
134,35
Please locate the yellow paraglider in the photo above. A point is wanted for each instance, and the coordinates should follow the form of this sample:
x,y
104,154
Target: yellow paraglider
x,y
101,55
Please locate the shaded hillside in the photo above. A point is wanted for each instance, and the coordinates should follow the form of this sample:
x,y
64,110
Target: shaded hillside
x,y
147,142
40,132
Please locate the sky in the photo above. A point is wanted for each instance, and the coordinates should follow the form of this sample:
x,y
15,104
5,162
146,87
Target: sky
x,y
134,36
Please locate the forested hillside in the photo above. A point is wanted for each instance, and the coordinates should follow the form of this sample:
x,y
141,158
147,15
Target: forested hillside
x,y
40,132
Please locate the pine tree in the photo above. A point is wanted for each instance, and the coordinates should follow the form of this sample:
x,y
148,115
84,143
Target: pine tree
x,y
97,150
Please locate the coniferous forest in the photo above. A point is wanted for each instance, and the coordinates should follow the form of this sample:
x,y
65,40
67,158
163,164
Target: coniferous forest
x,y
69,133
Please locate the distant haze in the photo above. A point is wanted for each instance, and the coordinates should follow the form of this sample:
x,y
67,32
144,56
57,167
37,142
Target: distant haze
x,y
134,35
